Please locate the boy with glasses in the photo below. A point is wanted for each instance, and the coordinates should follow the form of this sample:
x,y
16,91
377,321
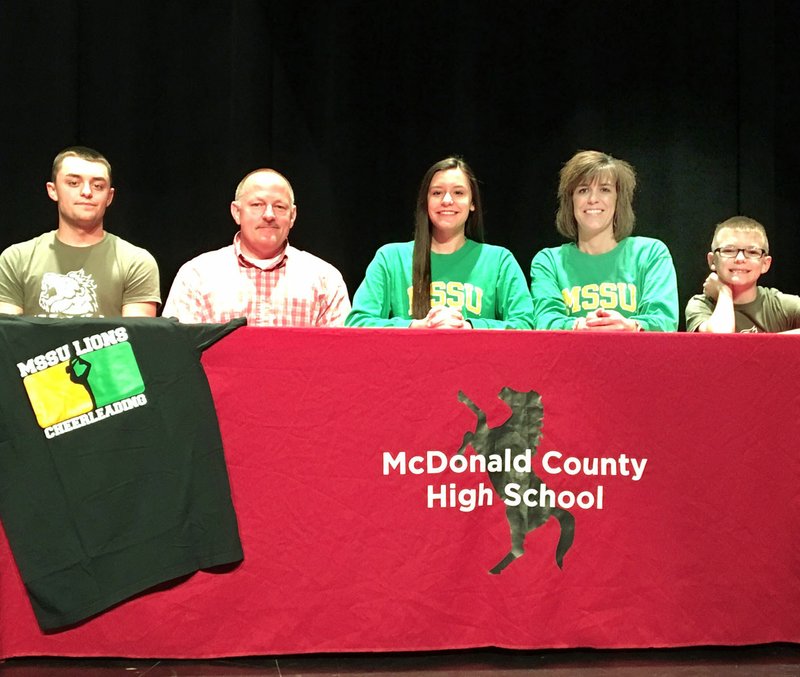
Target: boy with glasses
x,y
731,300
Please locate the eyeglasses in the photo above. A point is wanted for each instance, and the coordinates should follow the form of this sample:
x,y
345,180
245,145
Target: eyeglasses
x,y
732,252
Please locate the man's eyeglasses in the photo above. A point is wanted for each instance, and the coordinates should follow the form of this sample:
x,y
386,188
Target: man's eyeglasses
x,y
731,252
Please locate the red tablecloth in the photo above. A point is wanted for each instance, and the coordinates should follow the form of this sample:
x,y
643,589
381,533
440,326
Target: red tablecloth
x,y
692,541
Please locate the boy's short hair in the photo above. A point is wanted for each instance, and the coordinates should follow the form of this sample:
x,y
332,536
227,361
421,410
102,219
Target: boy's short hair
x,y
741,223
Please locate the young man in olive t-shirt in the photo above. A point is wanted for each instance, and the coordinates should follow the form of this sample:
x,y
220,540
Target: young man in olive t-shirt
x,y
79,269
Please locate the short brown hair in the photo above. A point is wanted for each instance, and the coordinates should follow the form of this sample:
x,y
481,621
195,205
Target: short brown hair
x,y
741,223
84,153
583,168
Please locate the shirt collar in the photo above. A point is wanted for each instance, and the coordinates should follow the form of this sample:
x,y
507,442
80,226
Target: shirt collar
x,y
247,262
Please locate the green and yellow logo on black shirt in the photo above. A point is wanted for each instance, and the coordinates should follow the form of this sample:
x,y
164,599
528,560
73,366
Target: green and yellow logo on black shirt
x,y
84,382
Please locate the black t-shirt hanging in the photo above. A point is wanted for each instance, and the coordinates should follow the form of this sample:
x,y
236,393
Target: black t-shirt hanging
x,y
112,474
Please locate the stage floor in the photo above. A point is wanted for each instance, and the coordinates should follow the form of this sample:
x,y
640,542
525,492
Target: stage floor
x,y
773,660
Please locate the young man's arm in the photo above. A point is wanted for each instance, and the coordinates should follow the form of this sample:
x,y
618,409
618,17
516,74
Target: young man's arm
x,y
141,292
144,309
11,289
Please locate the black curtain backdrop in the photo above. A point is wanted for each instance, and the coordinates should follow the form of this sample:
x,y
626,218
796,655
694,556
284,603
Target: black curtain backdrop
x,y
353,99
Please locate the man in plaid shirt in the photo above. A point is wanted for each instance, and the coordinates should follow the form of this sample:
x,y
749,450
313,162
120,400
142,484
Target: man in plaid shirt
x,y
260,276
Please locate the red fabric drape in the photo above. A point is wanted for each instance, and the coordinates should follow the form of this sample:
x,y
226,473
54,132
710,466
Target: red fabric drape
x,y
343,552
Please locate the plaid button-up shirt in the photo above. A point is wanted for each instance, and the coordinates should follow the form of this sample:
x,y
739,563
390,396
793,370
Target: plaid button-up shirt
x,y
300,290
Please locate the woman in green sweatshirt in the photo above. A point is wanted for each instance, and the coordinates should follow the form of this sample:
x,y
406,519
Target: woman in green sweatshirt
x,y
447,278
605,279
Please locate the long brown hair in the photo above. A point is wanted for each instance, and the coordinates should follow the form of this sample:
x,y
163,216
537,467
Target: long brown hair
x,y
421,262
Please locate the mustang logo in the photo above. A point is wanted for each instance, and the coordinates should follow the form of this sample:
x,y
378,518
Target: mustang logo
x,y
522,430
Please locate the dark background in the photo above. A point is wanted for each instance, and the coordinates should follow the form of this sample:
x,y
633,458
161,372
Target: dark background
x,y
354,99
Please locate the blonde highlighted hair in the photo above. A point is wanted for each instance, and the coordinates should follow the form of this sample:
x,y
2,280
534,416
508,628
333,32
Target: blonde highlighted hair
x,y
583,168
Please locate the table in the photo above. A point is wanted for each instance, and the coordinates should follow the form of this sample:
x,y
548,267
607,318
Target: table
x,y
364,529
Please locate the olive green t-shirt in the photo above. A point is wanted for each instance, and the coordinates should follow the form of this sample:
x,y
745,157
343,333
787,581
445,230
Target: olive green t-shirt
x,y
48,278
772,311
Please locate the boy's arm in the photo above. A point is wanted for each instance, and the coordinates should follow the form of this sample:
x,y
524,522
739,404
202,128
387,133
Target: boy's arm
x,y
722,320
791,305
